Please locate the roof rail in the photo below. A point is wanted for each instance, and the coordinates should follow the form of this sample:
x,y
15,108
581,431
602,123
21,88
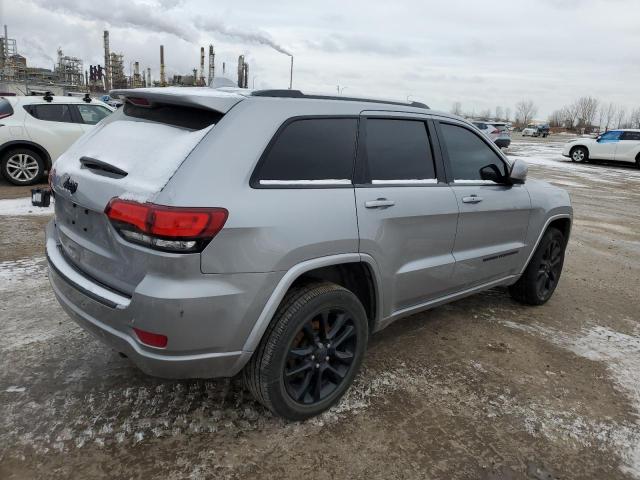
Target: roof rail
x,y
299,94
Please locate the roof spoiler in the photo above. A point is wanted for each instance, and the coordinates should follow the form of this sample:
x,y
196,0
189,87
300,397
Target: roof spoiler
x,y
202,97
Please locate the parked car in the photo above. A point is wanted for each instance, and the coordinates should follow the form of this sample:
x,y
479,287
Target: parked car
x,y
498,132
536,131
205,233
35,130
622,145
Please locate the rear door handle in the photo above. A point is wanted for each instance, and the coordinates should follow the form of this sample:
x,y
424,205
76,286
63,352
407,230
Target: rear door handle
x,y
472,199
379,203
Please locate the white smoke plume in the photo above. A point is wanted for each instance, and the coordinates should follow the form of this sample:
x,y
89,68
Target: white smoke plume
x,y
127,13
250,36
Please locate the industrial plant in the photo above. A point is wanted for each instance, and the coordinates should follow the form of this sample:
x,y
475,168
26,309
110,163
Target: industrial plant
x,y
70,75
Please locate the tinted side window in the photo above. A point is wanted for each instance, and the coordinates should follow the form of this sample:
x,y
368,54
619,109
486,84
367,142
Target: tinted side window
x,y
468,154
631,136
51,112
318,149
611,136
92,114
399,150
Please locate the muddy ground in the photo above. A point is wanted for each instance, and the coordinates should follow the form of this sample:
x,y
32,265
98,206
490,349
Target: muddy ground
x,y
480,389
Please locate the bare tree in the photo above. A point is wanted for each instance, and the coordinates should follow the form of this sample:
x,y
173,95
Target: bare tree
x,y
586,109
621,116
507,114
499,113
456,109
634,118
556,119
485,114
609,115
525,111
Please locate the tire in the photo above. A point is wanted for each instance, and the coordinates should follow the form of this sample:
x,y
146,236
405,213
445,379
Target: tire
x,y
579,154
638,161
541,277
22,166
292,344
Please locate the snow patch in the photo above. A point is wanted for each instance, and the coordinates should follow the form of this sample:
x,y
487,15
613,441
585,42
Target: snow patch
x,y
15,389
149,152
621,355
22,206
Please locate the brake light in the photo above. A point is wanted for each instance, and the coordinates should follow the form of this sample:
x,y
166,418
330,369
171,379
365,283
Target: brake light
x,y
152,339
140,102
172,229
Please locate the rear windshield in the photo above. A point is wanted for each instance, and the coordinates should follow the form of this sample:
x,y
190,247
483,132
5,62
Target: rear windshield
x,y
5,108
501,128
176,115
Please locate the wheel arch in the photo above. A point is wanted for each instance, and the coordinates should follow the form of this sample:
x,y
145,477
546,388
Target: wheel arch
x,y
562,222
27,144
358,273
580,145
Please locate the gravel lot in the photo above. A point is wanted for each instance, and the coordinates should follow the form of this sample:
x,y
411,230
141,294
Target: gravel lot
x,y
480,389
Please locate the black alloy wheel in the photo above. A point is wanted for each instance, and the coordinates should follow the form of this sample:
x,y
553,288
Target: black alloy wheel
x,y
549,269
320,356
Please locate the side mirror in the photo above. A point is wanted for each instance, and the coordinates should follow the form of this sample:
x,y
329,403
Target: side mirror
x,y
491,172
519,171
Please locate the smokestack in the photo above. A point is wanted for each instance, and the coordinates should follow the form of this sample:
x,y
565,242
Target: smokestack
x,y
212,65
107,66
201,81
224,67
195,77
240,71
291,74
245,75
163,83
148,77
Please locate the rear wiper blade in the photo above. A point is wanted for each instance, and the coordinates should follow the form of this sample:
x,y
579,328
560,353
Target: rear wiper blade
x,y
102,168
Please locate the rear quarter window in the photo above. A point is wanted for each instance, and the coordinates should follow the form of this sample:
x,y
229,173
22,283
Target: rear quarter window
x,y
310,151
50,112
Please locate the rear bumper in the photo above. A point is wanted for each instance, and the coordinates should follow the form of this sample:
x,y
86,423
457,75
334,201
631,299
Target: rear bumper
x,y
207,319
503,142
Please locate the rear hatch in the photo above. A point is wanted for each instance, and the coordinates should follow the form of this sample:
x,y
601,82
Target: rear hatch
x,y
131,155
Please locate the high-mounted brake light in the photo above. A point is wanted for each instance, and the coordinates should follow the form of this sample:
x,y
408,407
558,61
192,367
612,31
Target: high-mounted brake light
x,y
172,229
139,101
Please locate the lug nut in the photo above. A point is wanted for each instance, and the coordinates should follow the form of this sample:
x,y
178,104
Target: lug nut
x,y
317,365
313,357
327,358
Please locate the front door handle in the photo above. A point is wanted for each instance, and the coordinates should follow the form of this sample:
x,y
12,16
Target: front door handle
x,y
379,203
472,199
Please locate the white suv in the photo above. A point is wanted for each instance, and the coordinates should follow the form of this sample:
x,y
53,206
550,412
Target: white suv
x,y
35,131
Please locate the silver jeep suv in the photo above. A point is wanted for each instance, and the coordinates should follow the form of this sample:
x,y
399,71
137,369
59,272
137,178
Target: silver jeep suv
x,y
206,233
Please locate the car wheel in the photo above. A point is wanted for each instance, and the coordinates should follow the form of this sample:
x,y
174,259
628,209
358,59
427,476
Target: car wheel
x,y
638,160
579,154
541,277
310,353
22,166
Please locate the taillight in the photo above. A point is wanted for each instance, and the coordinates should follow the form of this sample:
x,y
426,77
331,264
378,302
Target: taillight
x,y
171,229
152,339
51,178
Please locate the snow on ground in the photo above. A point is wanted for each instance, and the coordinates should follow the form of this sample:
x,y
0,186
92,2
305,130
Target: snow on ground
x,y
621,355
22,206
549,155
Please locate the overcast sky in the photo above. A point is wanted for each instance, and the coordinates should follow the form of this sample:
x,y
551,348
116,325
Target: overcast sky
x,y
483,54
